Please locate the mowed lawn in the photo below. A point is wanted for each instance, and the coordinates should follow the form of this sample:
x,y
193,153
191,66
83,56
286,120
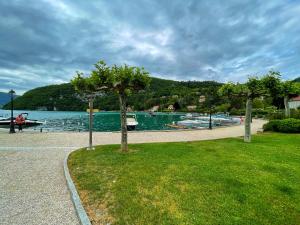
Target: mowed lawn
x,y
223,181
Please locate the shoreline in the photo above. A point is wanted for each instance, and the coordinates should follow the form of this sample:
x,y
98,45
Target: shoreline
x,y
6,130
80,139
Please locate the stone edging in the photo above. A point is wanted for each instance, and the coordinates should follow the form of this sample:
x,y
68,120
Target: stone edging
x,y
84,219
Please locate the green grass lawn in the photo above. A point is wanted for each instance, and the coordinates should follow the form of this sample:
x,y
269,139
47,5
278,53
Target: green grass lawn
x,y
207,182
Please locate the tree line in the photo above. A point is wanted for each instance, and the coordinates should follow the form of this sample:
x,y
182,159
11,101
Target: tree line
x,y
160,92
267,86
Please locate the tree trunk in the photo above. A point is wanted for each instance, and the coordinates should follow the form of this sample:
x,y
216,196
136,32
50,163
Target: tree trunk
x,y
123,110
247,137
286,106
91,107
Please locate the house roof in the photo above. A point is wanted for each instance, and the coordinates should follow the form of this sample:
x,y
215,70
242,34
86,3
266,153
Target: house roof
x,y
295,98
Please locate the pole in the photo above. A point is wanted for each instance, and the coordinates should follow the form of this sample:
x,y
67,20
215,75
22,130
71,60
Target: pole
x,y
12,124
210,122
91,125
210,125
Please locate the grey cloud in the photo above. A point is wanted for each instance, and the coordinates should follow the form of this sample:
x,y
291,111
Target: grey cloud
x,y
44,42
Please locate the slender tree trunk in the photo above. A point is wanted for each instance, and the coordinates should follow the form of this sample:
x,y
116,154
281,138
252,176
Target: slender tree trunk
x,y
123,110
286,106
247,137
91,107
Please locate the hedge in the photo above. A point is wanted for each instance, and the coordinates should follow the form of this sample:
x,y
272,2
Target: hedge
x,y
286,126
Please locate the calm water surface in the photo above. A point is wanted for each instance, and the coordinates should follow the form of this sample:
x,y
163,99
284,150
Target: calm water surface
x,y
103,121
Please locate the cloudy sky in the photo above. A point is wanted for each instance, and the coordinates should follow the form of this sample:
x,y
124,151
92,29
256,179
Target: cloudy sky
x,y
44,42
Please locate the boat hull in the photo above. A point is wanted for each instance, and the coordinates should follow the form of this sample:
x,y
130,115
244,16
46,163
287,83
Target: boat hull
x,y
131,127
6,124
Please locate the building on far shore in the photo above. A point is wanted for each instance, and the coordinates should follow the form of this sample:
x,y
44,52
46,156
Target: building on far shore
x,y
294,103
171,107
154,108
202,98
191,108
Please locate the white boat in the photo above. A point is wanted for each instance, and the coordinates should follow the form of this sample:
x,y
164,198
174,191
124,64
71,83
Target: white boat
x,y
216,119
189,116
5,122
193,123
131,121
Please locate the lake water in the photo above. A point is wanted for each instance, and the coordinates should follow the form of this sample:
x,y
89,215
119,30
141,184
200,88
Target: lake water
x,y
103,121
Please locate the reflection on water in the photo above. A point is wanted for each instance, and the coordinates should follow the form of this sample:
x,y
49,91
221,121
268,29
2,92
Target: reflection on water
x,y
103,121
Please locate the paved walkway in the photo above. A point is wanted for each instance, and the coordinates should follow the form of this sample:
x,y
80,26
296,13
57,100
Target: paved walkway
x,y
76,139
33,189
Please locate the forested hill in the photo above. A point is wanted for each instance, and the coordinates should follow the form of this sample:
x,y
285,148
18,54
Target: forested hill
x,y
297,79
161,92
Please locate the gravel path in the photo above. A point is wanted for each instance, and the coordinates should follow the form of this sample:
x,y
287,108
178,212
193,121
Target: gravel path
x,y
33,189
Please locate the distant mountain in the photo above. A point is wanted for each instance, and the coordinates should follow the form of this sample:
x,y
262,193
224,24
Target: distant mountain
x,y
161,92
297,79
61,97
4,98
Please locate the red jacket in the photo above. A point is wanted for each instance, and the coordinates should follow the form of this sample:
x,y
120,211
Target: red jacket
x,y
20,120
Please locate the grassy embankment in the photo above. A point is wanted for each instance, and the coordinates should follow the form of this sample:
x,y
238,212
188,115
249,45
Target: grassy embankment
x,y
209,182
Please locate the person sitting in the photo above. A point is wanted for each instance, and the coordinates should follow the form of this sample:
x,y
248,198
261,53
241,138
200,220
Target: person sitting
x,y
20,121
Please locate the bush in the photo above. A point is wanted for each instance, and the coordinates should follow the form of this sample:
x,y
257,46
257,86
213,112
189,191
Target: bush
x,y
286,126
271,125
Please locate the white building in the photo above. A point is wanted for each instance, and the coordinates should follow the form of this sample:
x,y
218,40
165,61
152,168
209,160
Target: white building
x,y
191,108
154,108
294,103
171,107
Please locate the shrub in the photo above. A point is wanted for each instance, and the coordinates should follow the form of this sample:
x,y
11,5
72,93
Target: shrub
x,y
289,126
271,125
295,113
286,126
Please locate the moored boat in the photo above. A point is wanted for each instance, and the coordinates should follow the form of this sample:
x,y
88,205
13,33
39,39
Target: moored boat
x,y
131,121
193,123
5,122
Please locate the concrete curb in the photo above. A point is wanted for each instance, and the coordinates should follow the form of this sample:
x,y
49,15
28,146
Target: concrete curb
x,y
84,219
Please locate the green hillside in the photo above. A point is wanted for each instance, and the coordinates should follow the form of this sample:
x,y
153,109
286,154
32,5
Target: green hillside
x,y
297,79
161,92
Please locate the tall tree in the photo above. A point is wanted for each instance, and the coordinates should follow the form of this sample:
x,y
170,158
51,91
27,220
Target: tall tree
x,y
277,88
288,88
87,92
255,88
272,83
123,80
252,89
